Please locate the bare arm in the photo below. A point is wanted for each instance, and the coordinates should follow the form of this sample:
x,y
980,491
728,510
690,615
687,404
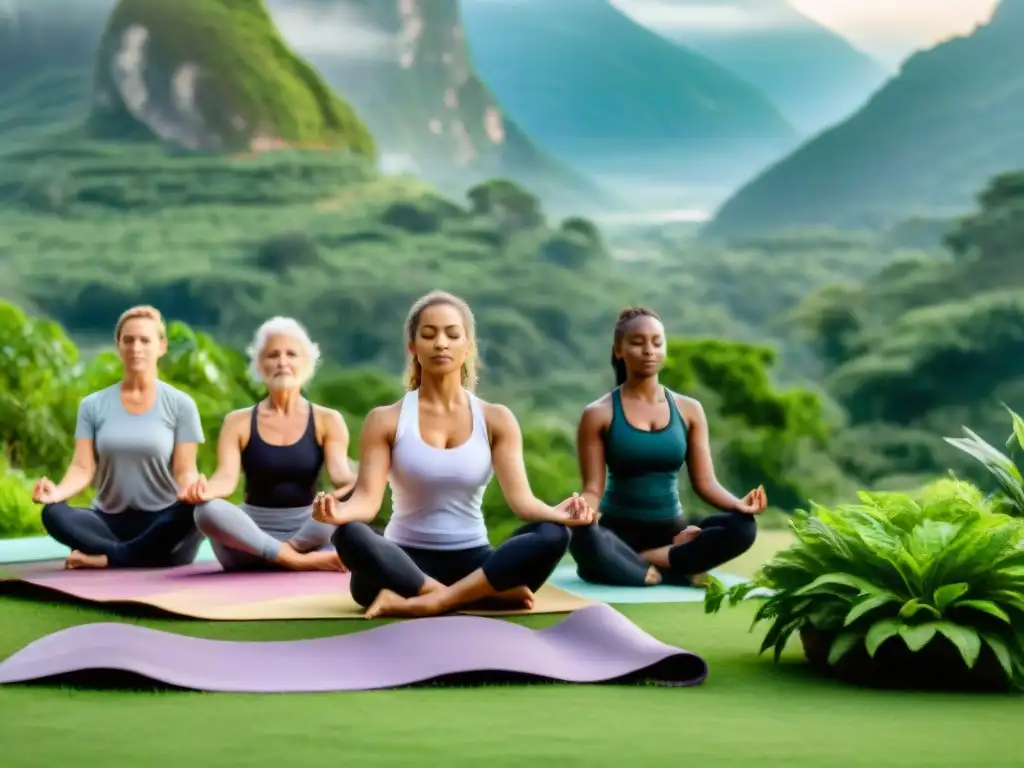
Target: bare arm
x,y
183,464
336,461
374,466
698,458
80,471
510,469
590,452
224,480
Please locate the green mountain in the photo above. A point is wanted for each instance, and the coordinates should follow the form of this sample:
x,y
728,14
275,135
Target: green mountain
x,y
929,345
405,67
815,76
922,146
612,96
213,75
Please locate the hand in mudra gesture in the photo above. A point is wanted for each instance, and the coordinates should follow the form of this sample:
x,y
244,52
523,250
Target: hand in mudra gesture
x,y
577,511
754,503
327,509
45,492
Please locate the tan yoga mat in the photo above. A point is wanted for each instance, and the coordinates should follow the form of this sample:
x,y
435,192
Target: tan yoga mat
x,y
204,591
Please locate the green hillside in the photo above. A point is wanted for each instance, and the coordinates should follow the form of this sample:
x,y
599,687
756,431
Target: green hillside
x,y
213,75
922,146
813,75
406,69
926,345
610,95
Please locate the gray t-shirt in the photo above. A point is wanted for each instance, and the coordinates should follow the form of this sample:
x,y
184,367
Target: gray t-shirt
x,y
134,452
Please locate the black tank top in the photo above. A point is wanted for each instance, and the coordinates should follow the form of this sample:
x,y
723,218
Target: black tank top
x,y
281,476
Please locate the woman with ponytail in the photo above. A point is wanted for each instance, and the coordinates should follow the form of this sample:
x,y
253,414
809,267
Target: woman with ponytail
x,y
632,444
438,447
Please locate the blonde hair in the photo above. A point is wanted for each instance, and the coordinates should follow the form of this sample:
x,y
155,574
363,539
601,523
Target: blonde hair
x,y
142,311
413,370
282,326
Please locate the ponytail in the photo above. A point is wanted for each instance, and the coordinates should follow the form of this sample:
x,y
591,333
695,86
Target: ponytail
x,y
619,366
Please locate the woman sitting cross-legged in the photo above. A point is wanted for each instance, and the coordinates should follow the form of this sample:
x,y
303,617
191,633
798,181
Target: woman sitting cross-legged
x,y
440,445
136,442
280,445
632,445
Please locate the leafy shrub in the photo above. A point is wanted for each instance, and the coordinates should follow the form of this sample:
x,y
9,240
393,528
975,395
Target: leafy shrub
x,y
899,573
19,515
1001,466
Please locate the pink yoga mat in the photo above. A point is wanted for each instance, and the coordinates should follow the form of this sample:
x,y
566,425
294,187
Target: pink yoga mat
x,y
204,591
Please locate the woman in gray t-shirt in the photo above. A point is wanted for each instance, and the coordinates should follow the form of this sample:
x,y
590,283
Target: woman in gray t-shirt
x,y
135,443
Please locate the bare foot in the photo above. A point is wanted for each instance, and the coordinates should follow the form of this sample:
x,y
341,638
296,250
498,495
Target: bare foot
x,y
391,604
653,577
520,597
81,560
325,560
689,533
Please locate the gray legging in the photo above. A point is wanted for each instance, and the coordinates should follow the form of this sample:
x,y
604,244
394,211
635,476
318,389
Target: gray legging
x,y
245,537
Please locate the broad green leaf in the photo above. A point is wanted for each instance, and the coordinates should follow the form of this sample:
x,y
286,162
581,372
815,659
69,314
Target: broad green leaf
x,y
714,594
945,595
1001,652
867,605
914,606
965,639
985,606
839,579
919,636
784,635
738,593
844,642
1018,428
879,632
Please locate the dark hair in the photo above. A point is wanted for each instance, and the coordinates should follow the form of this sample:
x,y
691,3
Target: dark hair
x,y
626,316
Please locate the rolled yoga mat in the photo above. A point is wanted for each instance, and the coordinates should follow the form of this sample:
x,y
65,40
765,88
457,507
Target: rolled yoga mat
x,y
596,644
205,591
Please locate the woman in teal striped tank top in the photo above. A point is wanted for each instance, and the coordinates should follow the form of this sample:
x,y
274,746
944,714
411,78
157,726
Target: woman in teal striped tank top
x,y
632,444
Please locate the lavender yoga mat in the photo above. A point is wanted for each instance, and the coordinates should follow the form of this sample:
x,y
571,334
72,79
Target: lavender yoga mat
x,y
596,644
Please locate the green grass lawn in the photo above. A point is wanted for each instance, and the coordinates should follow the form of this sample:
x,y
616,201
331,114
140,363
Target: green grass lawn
x,y
749,712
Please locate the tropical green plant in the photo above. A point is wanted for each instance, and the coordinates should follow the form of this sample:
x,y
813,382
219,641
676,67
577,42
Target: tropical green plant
x,y
19,515
999,464
898,573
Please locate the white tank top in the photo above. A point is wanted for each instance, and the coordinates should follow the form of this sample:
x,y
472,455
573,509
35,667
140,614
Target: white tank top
x,y
437,493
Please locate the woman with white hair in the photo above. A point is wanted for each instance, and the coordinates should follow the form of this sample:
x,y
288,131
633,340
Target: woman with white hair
x,y
280,445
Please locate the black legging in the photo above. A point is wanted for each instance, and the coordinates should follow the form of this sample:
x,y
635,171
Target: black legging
x,y
606,552
131,539
527,559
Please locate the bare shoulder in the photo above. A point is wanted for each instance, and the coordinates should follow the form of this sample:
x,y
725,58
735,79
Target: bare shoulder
x,y
329,418
598,414
382,422
690,409
498,416
237,418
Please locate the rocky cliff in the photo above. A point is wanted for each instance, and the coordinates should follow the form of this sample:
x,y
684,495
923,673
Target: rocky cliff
x,y
213,75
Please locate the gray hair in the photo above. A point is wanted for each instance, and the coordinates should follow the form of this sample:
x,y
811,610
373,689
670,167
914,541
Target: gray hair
x,y
281,326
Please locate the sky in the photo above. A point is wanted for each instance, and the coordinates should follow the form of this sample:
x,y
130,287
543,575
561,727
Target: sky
x,y
890,30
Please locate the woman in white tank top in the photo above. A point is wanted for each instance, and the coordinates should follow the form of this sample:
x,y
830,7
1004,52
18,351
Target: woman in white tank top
x,y
438,447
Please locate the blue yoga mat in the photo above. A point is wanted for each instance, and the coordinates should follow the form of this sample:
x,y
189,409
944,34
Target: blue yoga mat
x,y
565,578
40,548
